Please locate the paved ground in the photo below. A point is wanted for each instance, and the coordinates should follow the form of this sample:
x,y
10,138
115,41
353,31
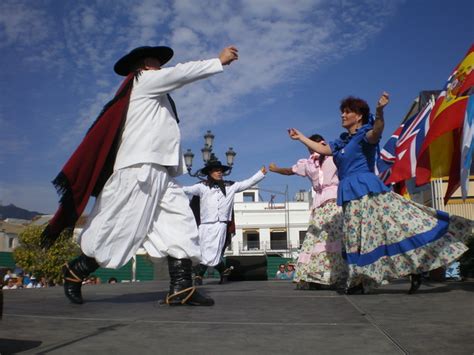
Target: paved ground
x,y
259,317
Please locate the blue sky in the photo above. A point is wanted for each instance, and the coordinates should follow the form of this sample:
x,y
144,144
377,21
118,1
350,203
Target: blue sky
x,y
298,59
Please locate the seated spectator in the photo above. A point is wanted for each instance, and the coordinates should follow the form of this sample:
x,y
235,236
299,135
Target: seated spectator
x,y
290,271
26,279
7,275
19,281
33,283
282,273
10,284
43,282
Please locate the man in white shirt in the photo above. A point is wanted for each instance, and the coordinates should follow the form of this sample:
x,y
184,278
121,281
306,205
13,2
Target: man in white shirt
x,y
215,206
141,204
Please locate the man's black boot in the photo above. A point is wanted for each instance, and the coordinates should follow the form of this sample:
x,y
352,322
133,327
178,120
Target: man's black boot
x,y
223,271
182,290
73,273
199,271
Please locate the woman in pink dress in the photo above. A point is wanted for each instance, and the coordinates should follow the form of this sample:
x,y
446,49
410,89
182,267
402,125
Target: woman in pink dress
x,y
320,261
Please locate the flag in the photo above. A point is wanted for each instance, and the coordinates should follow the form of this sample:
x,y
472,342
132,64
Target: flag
x,y
467,147
409,144
440,153
398,157
387,155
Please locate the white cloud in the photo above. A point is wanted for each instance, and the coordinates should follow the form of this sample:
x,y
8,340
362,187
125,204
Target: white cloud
x,y
279,43
22,24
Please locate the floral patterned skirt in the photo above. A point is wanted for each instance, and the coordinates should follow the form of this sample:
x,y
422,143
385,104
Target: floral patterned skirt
x,y
387,237
320,260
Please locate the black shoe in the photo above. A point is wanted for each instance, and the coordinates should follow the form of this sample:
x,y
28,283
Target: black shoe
x,y
302,286
73,274
315,286
415,283
189,296
72,286
225,274
354,290
182,290
308,286
197,280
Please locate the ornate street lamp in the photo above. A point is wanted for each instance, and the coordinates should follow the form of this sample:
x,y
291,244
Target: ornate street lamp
x,y
207,155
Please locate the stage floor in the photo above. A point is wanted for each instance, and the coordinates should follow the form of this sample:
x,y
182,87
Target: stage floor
x,y
249,317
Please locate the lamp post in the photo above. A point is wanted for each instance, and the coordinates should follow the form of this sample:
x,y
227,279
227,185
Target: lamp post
x,y
208,155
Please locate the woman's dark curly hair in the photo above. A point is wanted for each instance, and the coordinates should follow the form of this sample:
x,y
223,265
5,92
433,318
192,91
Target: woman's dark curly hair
x,y
359,106
318,138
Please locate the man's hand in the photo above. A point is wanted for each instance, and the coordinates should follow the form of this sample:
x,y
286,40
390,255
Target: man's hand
x,y
263,170
228,55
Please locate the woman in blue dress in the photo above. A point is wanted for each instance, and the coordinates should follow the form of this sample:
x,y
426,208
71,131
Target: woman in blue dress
x,y
385,235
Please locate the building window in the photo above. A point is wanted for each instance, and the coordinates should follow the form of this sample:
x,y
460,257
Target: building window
x,y
249,196
302,236
278,240
10,242
251,240
229,247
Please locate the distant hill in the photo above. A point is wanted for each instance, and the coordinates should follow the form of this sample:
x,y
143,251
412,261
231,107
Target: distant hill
x,y
11,211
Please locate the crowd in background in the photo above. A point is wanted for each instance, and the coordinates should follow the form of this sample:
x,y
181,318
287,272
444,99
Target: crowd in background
x,y
20,279
285,272
13,281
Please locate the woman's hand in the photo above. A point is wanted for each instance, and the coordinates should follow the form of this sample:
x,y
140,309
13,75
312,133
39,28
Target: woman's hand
x,y
383,101
295,134
373,136
263,170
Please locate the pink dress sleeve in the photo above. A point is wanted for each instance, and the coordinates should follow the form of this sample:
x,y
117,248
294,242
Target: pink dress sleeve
x,y
300,168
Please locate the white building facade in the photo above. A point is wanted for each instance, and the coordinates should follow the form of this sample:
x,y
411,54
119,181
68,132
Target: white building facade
x,y
269,228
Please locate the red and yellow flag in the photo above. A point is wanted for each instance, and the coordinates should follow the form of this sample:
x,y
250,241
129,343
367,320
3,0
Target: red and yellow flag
x,y
440,153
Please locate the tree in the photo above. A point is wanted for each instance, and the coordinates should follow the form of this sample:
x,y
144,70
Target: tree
x,y
30,257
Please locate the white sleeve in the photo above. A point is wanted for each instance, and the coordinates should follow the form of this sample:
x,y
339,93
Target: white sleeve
x,y
165,80
240,186
193,190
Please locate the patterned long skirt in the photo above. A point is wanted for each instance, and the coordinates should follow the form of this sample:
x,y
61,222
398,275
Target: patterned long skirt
x,y
320,260
387,237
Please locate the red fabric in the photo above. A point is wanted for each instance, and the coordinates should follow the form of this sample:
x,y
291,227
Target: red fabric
x,y
80,175
450,120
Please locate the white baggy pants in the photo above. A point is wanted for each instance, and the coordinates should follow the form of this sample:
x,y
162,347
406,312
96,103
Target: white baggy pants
x,y
212,239
140,205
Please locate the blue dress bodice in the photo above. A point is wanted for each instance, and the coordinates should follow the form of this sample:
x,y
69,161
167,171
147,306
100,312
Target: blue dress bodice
x,y
354,157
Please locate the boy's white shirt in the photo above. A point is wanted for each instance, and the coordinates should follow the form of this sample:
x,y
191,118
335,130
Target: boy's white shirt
x,y
214,205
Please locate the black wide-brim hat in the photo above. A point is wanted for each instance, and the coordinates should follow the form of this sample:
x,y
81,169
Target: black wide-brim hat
x,y
215,164
125,64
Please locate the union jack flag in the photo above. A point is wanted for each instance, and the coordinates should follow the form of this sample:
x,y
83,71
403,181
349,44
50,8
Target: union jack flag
x,y
387,155
398,157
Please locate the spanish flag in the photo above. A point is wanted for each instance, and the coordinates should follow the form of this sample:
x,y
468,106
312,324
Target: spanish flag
x,y
440,154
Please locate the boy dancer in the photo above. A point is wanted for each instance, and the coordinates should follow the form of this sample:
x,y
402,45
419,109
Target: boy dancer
x,y
216,202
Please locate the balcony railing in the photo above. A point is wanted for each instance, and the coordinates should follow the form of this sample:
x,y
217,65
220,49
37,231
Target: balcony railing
x,y
267,246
